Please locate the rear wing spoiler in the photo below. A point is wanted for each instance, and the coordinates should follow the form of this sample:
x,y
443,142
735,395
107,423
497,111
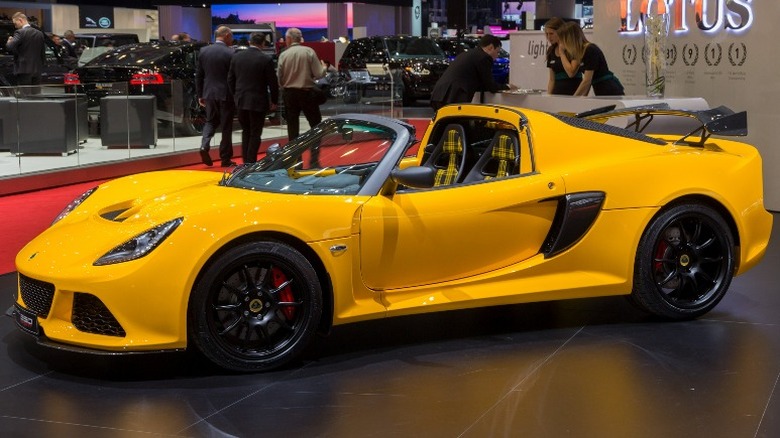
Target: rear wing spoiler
x,y
719,121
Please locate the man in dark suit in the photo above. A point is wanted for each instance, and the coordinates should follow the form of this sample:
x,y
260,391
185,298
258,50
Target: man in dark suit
x,y
214,94
28,47
70,44
470,72
252,80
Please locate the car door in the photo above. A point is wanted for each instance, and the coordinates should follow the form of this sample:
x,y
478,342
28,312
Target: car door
x,y
422,237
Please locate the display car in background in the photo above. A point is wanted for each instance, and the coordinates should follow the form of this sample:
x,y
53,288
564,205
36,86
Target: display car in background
x,y
55,64
162,69
404,67
455,46
497,205
91,45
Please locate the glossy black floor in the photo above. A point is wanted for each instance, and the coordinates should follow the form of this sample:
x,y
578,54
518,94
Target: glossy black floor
x,y
582,368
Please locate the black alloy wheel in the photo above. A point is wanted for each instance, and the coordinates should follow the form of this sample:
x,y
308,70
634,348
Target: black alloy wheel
x,y
256,308
194,117
685,262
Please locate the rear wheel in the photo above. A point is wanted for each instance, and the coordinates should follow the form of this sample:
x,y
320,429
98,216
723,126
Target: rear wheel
x,y
684,263
194,117
256,307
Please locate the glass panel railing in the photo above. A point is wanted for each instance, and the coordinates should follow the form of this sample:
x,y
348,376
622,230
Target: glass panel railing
x,y
53,127
9,134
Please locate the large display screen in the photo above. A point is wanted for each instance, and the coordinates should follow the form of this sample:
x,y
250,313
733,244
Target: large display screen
x,y
310,18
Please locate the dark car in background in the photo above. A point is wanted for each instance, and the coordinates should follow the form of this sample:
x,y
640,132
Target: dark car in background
x,y
91,45
162,69
55,67
105,39
455,46
408,65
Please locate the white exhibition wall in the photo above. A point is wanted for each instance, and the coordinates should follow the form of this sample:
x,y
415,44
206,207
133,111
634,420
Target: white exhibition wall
x,y
731,62
140,21
734,63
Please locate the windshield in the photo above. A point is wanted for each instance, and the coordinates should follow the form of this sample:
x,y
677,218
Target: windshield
x,y
132,55
335,158
413,47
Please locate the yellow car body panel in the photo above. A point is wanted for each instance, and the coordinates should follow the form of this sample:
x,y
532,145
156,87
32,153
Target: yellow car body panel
x,y
398,250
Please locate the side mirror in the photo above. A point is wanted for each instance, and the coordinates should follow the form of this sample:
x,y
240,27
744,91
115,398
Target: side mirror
x,y
420,177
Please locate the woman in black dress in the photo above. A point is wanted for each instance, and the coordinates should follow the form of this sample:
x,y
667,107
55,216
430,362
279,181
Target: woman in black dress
x,y
559,81
580,55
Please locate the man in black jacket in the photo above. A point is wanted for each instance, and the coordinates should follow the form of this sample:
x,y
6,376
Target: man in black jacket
x,y
252,80
214,94
470,72
28,47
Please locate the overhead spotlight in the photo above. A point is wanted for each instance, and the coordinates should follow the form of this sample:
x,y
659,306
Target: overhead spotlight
x,y
506,8
520,5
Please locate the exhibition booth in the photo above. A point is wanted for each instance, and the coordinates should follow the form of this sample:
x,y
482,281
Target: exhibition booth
x,y
711,53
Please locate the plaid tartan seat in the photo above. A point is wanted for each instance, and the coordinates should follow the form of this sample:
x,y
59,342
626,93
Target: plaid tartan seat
x,y
448,156
500,159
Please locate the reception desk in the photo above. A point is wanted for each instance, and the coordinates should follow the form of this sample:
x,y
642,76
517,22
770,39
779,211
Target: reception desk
x,y
569,104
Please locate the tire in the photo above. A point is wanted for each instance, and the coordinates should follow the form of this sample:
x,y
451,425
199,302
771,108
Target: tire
x,y
684,263
338,88
256,308
351,97
194,117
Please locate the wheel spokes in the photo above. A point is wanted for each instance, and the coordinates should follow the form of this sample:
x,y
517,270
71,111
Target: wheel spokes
x,y
692,271
253,308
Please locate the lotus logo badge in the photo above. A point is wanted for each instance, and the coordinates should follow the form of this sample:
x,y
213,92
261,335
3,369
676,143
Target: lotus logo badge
x,y
685,260
256,305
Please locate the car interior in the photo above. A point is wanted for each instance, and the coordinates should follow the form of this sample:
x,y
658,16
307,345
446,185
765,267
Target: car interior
x,y
468,151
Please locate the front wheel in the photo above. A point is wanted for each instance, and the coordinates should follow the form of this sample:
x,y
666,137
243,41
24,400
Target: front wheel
x,y
256,307
684,263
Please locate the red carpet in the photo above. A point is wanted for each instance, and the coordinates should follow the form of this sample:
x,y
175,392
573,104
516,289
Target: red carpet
x,y
25,215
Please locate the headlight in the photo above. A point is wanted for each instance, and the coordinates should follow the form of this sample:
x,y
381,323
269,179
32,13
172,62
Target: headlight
x,y
139,245
72,206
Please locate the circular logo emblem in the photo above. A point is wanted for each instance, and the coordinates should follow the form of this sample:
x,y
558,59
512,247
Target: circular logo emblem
x,y
256,305
713,53
417,12
671,55
737,54
104,22
685,260
690,54
629,54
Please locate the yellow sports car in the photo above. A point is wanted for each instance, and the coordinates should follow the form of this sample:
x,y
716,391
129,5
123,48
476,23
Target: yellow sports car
x,y
356,220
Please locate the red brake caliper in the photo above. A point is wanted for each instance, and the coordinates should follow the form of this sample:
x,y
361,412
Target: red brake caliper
x,y
659,255
277,279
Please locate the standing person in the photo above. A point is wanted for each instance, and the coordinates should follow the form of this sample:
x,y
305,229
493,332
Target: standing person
x,y
28,47
69,42
579,54
559,81
251,80
214,94
470,72
298,70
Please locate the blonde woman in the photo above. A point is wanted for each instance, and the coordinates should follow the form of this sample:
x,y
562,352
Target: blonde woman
x,y
559,81
579,55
